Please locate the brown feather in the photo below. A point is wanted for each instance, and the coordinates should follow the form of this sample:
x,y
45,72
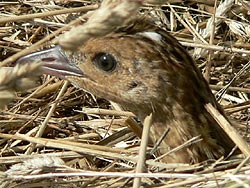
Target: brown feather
x,y
154,74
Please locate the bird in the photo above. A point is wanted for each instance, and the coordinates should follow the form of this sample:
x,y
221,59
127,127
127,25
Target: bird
x,y
147,71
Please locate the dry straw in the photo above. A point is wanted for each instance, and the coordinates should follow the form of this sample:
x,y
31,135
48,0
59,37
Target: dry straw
x,y
18,78
107,18
213,22
90,141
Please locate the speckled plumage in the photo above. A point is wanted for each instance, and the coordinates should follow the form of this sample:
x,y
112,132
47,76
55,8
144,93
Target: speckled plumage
x,y
155,74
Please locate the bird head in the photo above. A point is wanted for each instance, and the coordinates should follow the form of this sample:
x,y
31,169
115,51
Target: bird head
x,y
129,69
139,68
146,71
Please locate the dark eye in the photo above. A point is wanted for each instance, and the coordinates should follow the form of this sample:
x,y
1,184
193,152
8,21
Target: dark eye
x,y
105,62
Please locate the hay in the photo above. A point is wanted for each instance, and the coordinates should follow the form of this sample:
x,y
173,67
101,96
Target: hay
x,y
53,134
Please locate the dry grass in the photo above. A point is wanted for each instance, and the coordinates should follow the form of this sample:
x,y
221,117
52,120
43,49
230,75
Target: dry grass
x,y
54,135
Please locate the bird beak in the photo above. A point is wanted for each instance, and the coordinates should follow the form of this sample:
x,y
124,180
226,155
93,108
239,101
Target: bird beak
x,y
54,62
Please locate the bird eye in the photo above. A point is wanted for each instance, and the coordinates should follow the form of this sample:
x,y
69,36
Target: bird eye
x,y
105,62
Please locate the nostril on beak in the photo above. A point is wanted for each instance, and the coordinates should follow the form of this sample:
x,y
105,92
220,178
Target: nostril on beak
x,y
48,59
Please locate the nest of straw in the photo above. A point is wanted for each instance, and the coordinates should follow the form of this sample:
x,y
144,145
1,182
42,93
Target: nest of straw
x,y
55,135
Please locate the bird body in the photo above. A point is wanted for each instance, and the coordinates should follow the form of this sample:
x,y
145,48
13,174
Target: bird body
x,y
146,70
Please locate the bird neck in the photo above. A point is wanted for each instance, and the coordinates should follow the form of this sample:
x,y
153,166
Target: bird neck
x,y
185,123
